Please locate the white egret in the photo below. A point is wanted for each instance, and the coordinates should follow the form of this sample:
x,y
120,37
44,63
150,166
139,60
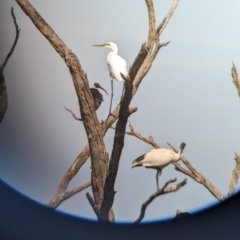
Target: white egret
x,y
97,96
158,159
116,65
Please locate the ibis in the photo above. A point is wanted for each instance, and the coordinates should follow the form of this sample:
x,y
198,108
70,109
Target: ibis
x,y
158,159
97,96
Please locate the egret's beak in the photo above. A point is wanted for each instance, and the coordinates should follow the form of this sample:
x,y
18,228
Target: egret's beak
x,y
99,45
103,89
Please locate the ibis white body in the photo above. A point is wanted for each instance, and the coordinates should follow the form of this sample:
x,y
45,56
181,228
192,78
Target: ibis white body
x,y
158,159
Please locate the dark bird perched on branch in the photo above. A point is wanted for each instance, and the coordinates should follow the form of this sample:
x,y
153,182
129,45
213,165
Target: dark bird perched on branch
x,y
158,159
97,96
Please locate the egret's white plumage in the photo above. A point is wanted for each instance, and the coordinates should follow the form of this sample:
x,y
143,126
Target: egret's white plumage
x,y
158,159
116,64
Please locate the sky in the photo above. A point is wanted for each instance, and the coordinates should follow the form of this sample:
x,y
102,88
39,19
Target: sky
x,y
188,95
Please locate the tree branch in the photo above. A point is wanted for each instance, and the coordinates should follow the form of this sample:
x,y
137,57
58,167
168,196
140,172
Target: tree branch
x,y
200,178
15,41
55,202
235,176
73,114
235,78
151,22
3,88
162,26
161,191
3,96
118,144
151,41
132,132
92,202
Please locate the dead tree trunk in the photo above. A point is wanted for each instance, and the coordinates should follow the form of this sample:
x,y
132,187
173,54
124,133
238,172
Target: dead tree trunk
x,y
99,156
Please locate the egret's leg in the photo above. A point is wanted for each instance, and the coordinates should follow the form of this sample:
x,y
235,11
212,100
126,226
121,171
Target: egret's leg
x,y
111,97
159,171
122,91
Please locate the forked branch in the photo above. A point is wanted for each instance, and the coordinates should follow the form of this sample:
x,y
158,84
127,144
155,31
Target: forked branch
x,y
162,26
55,202
161,191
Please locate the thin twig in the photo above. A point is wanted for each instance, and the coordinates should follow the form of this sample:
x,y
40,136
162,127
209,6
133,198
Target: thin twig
x,y
3,88
14,43
73,114
91,201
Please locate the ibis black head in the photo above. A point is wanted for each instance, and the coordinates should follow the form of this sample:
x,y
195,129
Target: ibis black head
x,y
97,86
182,146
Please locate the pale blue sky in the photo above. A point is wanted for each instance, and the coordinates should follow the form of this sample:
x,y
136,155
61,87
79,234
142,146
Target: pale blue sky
x,y
187,96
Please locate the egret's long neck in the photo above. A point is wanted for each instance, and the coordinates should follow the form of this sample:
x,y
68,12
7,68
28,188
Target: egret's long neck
x,y
114,49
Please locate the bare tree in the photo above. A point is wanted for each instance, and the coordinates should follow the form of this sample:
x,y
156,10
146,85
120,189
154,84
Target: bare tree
x,y
104,168
3,88
103,173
